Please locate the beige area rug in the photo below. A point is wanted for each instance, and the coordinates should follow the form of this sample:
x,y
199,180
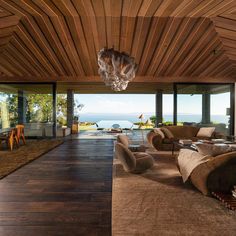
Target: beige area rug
x,y
158,203
13,160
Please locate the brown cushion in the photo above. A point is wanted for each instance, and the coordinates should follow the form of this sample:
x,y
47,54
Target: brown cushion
x,y
167,132
144,161
159,131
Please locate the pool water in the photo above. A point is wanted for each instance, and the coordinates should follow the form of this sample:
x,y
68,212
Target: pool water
x,y
124,124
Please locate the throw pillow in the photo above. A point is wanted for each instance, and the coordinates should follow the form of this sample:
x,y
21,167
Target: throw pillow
x,y
168,133
205,132
158,131
212,149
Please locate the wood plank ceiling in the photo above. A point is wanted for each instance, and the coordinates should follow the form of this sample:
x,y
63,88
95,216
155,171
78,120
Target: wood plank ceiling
x,y
58,40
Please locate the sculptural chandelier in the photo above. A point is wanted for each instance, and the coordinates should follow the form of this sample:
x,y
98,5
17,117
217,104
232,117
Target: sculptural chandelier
x,y
116,69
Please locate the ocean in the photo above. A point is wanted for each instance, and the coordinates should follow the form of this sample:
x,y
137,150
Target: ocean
x,y
133,117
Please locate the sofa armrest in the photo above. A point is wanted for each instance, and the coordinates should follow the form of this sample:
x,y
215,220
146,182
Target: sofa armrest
x,y
150,136
218,174
157,141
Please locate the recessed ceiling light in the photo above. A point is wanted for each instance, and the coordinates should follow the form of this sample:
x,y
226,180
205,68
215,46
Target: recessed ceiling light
x,y
216,52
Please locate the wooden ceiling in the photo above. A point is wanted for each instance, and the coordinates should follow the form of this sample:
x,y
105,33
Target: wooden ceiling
x,y
171,40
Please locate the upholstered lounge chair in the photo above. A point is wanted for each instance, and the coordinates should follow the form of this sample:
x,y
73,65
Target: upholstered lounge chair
x,y
216,175
123,139
132,162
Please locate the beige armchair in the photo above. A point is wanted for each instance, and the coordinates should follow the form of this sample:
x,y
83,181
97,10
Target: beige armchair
x,y
216,175
123,139
132,162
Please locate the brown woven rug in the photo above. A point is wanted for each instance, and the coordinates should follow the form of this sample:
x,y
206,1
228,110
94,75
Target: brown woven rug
x,y
158,203
13,160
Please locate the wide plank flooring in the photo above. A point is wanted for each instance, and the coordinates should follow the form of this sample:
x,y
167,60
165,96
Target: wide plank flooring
x,y
65,192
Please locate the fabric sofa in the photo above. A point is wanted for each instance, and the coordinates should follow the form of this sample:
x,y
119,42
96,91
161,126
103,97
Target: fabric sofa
x,y
179,132
216,175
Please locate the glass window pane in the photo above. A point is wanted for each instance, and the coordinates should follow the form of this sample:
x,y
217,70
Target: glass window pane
x,y
113,107
204,105
167,106
28,104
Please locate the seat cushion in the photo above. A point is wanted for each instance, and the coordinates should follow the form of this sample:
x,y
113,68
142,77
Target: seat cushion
x,y
167,140
167,132
144,162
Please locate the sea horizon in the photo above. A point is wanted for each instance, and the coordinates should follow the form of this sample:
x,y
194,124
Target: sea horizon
x,y
133,117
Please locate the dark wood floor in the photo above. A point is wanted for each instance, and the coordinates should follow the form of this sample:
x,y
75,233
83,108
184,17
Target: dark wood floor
x,y
65,192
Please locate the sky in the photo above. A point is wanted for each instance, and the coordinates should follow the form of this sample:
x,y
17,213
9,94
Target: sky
x,y
145,103
120,103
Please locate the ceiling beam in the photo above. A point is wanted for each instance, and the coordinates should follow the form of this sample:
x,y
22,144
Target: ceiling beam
x,y
138,79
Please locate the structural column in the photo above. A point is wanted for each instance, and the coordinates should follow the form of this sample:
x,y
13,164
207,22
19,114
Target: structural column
x,y
206,108
54,105
21,107
70,107
159,110
175,104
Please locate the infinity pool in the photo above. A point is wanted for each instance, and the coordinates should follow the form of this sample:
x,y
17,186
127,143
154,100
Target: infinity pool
x,y
124,124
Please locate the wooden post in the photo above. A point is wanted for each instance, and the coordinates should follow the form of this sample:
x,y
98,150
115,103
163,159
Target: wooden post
x,y
206,108
175,104
159,109
232,110
21,107
54,104
70,108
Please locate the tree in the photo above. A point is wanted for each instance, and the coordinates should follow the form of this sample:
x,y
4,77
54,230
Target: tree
x,y
153,119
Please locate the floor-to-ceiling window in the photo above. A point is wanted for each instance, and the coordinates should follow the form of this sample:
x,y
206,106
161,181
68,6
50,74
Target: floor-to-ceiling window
x,y
28,104
205,105
167,106
93,108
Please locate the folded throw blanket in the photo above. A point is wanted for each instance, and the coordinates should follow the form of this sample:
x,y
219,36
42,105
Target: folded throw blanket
x,y
188,160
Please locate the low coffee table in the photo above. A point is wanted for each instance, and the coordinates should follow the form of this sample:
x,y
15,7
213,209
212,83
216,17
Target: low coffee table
x,y
181,145
137,147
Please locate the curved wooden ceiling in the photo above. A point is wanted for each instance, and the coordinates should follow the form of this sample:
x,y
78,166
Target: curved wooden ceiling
x,y
171,40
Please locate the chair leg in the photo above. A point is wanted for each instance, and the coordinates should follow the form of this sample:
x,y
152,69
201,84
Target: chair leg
x,y
23,139
10,142
17,141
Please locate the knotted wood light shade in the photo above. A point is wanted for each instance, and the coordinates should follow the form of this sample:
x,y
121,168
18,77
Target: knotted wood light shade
x,y
115,68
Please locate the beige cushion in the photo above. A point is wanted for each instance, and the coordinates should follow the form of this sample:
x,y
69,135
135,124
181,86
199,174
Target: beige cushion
x,y
205,132
212,149
167,132
159,131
